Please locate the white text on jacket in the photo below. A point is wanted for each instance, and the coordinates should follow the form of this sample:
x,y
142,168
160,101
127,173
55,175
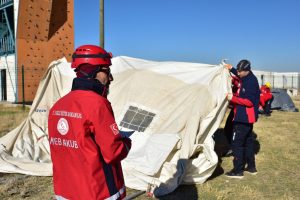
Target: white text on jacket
x,y
63,142
67,114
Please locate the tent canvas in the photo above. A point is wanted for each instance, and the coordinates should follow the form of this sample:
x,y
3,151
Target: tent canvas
x,y
175,107
282,101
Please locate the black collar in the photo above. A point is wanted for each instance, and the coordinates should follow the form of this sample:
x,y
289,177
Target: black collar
x,y
88,84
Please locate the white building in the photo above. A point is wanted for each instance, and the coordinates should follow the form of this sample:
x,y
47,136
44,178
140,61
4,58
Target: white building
x,y
8,27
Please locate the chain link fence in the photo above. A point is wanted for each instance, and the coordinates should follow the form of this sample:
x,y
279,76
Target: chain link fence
x,y
15,82
19,85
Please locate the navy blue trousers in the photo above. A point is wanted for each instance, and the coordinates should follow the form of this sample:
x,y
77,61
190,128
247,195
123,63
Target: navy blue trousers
x,y
243,146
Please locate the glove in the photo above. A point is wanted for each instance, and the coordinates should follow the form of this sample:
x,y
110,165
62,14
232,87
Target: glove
x,y
229,96
228,66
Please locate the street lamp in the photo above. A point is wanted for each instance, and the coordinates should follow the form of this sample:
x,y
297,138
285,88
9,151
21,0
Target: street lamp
x,y
102,23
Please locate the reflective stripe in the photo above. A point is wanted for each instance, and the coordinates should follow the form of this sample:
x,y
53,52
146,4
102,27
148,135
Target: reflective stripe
x,y
113,197
233,136
117,195
58,197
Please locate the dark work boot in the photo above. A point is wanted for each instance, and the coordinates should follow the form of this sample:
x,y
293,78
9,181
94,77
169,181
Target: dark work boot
x,y
233,174
252,171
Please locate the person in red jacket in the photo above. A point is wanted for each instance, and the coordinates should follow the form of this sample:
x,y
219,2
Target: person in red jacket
x,y
246,102
85,143
266,99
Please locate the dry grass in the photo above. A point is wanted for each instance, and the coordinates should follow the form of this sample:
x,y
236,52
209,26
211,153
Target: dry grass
x,y
11,116
277,162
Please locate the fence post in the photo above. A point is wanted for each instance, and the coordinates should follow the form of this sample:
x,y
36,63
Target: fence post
x,y
23,87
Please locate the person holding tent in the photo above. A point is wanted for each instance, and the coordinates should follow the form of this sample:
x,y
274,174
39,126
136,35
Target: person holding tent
x,y
266,99
245,103
228,129
85,144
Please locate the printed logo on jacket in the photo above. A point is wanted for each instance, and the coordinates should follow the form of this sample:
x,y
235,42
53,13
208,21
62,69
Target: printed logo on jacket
x,y
62,126
114,128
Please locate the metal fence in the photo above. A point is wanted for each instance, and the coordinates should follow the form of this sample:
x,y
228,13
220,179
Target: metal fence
x,y
289,81
7,45
5,2
14,83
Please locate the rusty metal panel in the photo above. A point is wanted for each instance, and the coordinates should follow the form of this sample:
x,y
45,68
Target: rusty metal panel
x,y
45,32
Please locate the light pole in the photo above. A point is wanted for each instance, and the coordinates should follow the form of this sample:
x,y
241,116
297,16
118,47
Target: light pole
x,y
102,23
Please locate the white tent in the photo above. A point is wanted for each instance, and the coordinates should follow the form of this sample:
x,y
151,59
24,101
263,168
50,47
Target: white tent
x,y
175,107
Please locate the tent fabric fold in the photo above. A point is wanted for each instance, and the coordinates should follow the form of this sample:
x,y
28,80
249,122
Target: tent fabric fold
x,y
174,108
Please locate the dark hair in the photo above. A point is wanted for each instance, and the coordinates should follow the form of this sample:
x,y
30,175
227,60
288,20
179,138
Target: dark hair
x,y
244,65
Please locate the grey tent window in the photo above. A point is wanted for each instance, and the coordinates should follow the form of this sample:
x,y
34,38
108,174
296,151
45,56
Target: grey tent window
x,y
137,119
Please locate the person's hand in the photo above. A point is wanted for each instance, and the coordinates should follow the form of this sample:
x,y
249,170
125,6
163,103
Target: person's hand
x,y
228,66
229,96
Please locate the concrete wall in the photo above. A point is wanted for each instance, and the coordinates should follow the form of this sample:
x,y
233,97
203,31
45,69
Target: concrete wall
x,y
8,63
16,12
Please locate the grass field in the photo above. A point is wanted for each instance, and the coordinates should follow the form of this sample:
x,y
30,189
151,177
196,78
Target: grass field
x,y
278,139
11,115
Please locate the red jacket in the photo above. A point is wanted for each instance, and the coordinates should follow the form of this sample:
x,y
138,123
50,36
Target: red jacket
x,y
86,148
235,85
246,100
265,95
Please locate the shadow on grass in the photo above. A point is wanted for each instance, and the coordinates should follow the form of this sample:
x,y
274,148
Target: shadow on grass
x,y
182,192
222,146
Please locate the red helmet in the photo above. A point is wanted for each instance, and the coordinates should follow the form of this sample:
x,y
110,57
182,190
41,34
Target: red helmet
x,y
90,54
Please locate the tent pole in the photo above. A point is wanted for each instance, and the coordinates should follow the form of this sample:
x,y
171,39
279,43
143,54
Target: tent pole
x,y
134,195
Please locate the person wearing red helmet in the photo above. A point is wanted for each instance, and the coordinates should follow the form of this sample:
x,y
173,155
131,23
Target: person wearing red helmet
x,y
85,144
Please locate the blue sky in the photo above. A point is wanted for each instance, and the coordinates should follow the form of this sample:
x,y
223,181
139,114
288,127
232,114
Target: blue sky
x,y
267,32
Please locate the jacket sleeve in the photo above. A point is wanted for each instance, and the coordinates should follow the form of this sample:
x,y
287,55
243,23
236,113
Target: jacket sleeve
x,y
251,97
113,147
235,81
264,97
261,100
241,101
